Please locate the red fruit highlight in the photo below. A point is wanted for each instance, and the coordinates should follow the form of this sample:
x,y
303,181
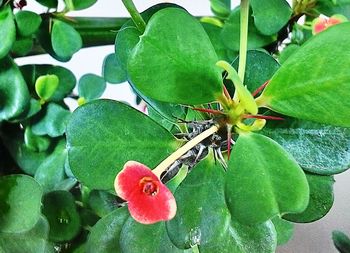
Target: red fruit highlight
x,y
149,200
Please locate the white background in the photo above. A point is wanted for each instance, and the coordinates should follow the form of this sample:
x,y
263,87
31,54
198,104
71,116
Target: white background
x,y
308,238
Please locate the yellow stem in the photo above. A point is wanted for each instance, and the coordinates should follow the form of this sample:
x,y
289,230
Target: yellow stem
x,y
181,151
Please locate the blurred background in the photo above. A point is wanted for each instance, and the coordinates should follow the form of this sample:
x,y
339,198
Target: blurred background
x,y
308,238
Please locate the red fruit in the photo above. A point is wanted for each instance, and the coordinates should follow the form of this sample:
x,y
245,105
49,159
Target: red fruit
x,y
149,200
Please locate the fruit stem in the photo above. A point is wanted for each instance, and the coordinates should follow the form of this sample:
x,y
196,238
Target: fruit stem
x,y
181,151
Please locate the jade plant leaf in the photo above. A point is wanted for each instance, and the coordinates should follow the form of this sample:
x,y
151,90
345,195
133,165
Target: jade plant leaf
x,y
203,219
284,229
22,46
91,86
260,68
174,60
7,30
14,94
316,89
221,8
79,4
20,203
271,15
34,240
45,86
321,199
263,181
48,3
61,212
113,134
51,121
136,237
329,8
104,236
231,30
66,78
35,142
341,241
318,148
102,202
51,172
27,22
65,40
113,72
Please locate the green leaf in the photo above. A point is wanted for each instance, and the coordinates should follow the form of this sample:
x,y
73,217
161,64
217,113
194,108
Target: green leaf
x,y
26,159
7,30
35,142
203,219
65,40
45,86
51,172
221,8
14,95
28,22
104,236
221,50
60,210
79,4
341,241
260,68
319,149
263,181
321,199
329,8
202,216
112,69
101,202
284,229
48,3
20,202
113,133
22,46
66,78
311,84
91,86
137,237
51,121
33,241
174,60
231,30
270,16
287,52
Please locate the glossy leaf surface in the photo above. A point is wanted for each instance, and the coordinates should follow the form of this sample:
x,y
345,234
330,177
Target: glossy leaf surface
x,y
45,86
14,95
79,4
231,30
27,22
65,39
318,148
20,203
318,91
263,181
91,86
7,30
113,133
321,199
175,61
61,213
271,15
113,72
104,236
52,121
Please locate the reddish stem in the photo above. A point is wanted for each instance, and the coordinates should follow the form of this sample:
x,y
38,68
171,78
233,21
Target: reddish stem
x,y
247,116
208,110
227,94
256,92
229,136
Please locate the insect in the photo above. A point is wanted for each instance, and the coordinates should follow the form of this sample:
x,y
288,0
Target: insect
x,y
19,4
216,142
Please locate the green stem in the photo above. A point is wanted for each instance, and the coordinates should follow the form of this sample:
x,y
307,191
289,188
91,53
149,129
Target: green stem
x,y
135,15
243,39
195,249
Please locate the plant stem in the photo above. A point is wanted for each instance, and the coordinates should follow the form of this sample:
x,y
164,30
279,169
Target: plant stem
x,y
135,15
181,151
243,39
195,249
